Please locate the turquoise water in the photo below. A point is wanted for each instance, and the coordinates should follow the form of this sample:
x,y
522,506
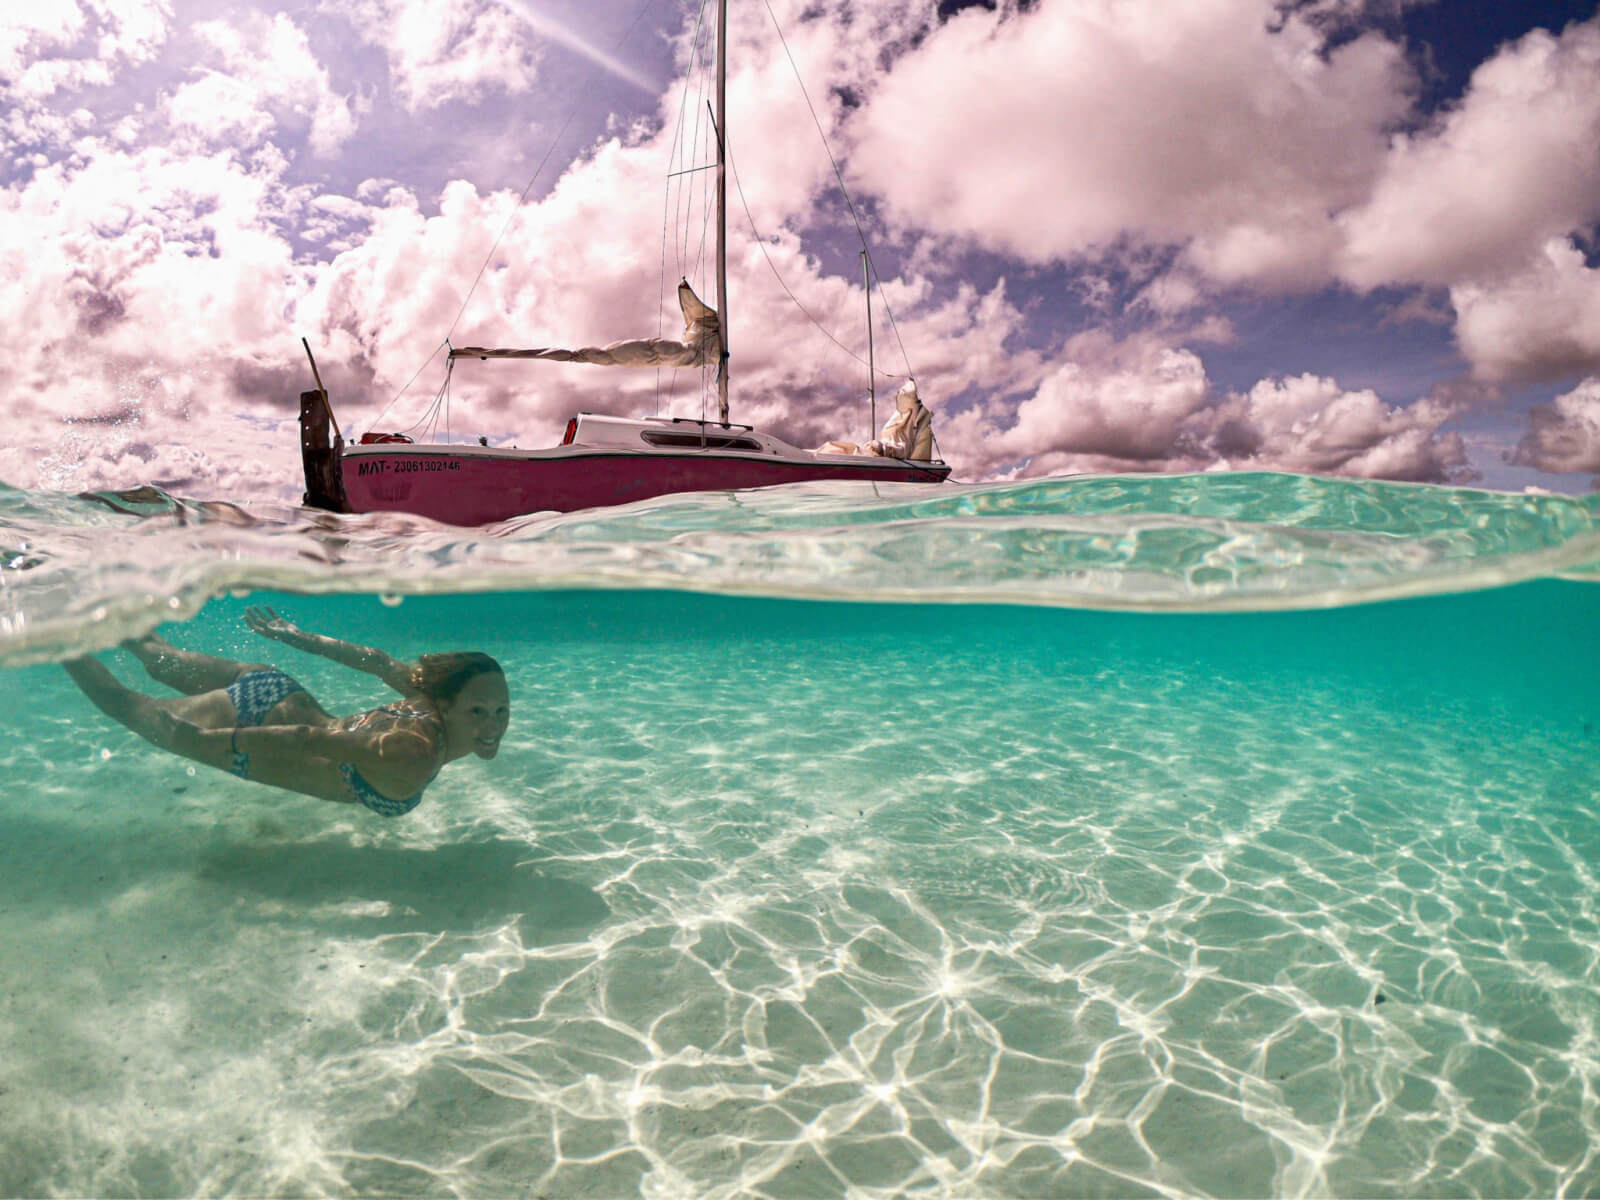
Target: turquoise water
x,y
1222,836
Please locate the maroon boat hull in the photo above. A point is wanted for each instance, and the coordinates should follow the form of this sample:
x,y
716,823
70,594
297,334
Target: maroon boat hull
x,y
465,488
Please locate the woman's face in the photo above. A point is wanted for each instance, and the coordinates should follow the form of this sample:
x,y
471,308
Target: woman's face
x,y
478,716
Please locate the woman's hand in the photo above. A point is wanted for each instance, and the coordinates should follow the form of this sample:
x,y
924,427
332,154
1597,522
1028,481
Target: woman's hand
x,y
268,623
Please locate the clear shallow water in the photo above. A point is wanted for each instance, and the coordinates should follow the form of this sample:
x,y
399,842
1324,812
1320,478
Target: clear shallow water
x,y
806,897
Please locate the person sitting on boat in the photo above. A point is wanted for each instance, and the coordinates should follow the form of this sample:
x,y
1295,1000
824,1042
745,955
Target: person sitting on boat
x,y
258,723
908,433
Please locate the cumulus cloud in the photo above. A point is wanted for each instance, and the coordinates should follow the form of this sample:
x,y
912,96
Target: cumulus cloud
x,y
47,47
1144,405
1276,158
49,51
142,285
172,281
1542,322
1563,435
1478,192
1130,403
441,51
1309,423
220,109
1083,125
267,71
1280,158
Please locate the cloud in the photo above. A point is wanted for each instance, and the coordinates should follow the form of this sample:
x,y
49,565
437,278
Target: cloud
x,y
1478,192
172,281
444,51
48,47
143,287
1563,435
1277,159
1309,423
50,50
1144,405
1274,159
1082,126
1541,323
268,73
220,109
1129,402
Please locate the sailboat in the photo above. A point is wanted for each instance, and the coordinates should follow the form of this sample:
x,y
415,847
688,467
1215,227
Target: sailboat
x,y
605,460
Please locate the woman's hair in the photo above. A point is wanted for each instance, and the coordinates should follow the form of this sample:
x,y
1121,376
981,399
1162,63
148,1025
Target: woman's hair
x,y
440,677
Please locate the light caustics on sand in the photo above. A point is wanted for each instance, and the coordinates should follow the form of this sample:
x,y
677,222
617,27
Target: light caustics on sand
x,y
1112,937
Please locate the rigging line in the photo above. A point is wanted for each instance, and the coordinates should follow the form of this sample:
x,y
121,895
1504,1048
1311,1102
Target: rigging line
x,y
699,198
426,363
692,269
888,311
572,111
678,190
680,144
432,415
688,117
707,211
539,170
661,286
688,145
761,242
838,175
428,422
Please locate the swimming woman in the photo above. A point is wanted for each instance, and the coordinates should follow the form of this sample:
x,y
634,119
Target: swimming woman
x,y
253,720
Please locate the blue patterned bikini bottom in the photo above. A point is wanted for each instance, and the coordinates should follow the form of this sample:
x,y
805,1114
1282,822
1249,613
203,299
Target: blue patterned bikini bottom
x,y
257,693
254,695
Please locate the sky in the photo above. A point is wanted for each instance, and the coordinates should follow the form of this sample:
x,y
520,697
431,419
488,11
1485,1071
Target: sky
x,y
1352,237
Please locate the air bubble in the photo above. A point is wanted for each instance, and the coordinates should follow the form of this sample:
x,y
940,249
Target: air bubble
x,y
390,600
104,754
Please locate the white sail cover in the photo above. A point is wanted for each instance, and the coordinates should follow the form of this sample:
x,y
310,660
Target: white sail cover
x,y
702,344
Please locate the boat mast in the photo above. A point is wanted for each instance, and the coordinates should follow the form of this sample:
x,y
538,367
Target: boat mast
x,y
872,372
722,206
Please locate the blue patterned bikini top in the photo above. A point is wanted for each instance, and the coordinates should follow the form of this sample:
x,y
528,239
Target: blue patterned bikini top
x,y
363,792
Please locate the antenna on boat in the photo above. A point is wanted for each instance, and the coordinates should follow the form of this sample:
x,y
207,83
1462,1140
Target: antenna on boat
x,y
872,373
722,206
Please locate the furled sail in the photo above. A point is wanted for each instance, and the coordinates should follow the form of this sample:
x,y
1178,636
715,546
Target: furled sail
x,y
702,343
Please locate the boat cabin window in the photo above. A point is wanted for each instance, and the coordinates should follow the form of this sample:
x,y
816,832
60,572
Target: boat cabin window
x,y
710,441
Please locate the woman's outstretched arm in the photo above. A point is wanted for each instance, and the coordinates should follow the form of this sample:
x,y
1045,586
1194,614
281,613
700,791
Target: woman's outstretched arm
x,y
393,671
